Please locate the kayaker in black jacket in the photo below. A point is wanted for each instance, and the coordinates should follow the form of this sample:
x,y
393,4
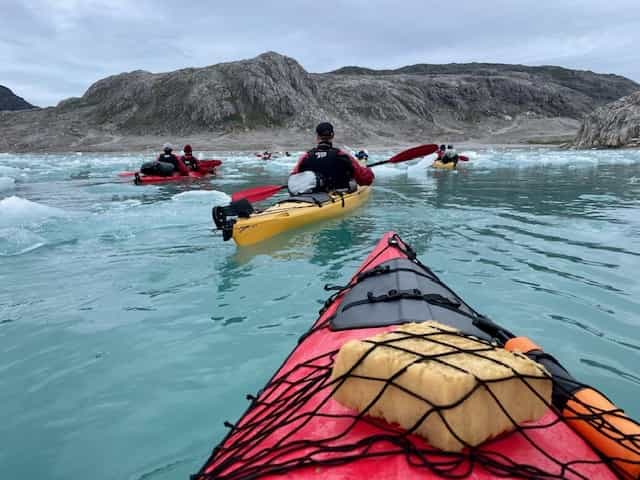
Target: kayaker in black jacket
x,y
363,156
450,155
168,157
335,167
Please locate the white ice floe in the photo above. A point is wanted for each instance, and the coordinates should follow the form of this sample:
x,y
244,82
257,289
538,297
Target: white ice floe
x,y
16,211
212,197
17,241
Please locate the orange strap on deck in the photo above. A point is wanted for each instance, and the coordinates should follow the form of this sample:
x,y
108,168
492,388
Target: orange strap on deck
x,y
606,428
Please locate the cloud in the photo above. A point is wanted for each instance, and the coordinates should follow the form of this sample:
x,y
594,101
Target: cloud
x,y
54,49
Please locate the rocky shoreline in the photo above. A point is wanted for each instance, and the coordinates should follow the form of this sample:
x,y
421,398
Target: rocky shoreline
x,y
283,140
613,126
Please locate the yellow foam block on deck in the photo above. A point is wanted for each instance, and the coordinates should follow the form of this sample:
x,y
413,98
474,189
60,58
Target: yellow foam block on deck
x,y
450,375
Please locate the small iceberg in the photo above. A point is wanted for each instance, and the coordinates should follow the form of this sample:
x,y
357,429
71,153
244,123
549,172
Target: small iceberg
x,y
16,211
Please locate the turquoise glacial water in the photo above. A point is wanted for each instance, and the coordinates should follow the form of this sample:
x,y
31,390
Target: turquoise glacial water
x,y
129,331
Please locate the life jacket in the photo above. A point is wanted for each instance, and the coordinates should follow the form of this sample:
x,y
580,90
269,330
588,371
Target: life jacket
x,y
168,158
190,161
333,167
450,156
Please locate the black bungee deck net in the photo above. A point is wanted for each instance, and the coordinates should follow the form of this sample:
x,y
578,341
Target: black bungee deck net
x,y
295,426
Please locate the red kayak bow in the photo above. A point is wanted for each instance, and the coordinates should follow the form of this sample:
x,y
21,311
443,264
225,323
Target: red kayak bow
x,y
295,429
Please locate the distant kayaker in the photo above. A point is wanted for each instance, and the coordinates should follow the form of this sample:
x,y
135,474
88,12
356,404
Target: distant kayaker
x,y
335,168
362,155
450,155
188,158
167,156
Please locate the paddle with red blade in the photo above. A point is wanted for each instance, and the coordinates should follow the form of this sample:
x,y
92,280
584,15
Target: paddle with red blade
x,y
256,194
410,154
208,164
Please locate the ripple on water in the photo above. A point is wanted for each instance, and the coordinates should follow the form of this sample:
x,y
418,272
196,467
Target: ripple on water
x,y
612,370
7,183
9,171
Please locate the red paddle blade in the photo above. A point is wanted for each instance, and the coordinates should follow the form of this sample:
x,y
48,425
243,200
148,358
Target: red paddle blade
x,y
415,152
463,158
209,163
127,174
257,194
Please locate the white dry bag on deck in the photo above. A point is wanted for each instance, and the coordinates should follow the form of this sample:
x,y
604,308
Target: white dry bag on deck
x,y
304,182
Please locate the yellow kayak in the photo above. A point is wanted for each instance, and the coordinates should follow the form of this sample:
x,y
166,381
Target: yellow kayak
x,y
294,212
443,166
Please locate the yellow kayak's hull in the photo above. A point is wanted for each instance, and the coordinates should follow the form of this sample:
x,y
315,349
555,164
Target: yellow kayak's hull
x,y
285,216
443,166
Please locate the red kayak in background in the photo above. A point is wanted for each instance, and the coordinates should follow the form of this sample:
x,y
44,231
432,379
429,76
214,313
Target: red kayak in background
x,y
294,429
205,168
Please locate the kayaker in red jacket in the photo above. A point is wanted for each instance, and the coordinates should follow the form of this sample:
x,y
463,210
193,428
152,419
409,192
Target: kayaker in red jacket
x,y
335,167
168,157
188,159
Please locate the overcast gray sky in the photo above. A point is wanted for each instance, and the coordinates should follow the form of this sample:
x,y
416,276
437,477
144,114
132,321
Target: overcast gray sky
x,y
54,49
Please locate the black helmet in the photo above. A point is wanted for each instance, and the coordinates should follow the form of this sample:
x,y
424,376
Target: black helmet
x,y
449,146
442,148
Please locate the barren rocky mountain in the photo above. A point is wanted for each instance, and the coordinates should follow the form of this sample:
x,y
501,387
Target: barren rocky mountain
x,y
10,101
273,100
614,125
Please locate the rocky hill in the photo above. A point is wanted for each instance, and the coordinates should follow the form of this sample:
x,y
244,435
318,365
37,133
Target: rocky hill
x,y
614,125
601,87
10,101
272,99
